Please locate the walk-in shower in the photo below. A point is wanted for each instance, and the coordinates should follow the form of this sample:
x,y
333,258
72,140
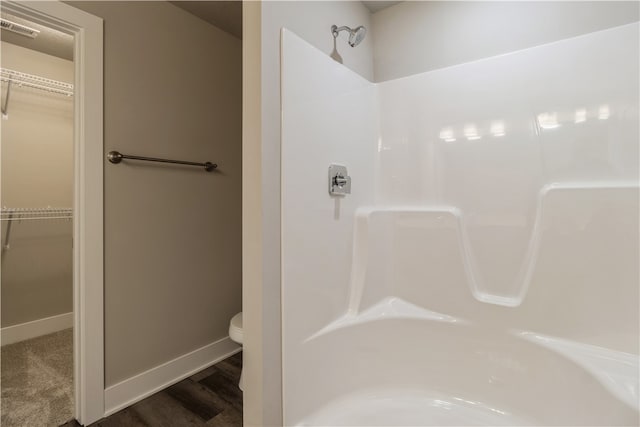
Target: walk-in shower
x,y
484,268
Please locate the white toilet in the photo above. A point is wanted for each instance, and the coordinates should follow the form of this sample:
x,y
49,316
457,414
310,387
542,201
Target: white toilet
x,y
235,333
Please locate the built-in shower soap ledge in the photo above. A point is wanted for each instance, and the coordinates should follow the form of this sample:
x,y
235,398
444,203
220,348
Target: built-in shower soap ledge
x,y
387,309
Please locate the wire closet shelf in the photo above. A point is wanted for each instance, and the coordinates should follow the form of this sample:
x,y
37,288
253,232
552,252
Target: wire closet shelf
x,y
25,214
36,82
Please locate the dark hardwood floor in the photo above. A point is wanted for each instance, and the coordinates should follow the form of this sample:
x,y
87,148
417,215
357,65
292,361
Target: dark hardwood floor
x,y
209,398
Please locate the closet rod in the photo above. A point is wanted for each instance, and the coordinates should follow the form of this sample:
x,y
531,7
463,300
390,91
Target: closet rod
x,y
36,82
33,218
22,214
116,157
10,215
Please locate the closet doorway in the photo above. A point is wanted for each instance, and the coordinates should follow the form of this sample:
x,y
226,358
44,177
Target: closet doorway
x,y
36,197
51,199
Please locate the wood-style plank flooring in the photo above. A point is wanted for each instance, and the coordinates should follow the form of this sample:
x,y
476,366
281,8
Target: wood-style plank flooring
x,y
209,398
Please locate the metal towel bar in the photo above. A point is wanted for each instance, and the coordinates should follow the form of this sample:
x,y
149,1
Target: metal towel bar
x,y
116,157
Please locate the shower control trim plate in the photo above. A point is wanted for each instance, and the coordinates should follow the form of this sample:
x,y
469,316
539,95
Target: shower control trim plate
x,y
339,180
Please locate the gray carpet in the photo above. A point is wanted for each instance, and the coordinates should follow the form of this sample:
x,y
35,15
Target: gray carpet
x,y
37,381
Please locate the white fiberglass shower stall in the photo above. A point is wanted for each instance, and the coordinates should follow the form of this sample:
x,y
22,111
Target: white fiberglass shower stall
x,y
484,268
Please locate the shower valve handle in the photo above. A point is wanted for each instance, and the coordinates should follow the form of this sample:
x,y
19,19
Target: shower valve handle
x,y
339,180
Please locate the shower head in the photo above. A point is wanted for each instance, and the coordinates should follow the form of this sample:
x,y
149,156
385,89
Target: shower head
x,y
355,35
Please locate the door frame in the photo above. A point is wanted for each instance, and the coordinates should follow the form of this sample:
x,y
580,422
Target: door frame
x,y
88,222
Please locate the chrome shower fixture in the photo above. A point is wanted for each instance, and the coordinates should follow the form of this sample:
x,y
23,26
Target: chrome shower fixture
x,y
355,35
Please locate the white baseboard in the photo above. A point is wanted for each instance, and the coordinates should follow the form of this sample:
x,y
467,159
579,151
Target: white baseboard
x,y
35,328
134,389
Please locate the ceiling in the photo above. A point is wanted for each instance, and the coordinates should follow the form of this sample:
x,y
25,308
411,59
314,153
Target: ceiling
x,y
49,41
376,6
227,15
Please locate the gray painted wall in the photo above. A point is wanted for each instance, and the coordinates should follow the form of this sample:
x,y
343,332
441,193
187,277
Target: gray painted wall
x,y
417,36
173,277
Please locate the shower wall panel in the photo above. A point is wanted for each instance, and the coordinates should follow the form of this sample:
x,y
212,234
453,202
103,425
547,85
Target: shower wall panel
x,y
487,258
516,142
328,117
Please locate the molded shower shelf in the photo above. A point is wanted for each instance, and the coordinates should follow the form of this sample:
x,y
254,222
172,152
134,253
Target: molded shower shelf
x,y
596,200
388,308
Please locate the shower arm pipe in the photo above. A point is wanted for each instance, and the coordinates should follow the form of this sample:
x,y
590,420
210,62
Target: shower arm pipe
x,y
335,29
